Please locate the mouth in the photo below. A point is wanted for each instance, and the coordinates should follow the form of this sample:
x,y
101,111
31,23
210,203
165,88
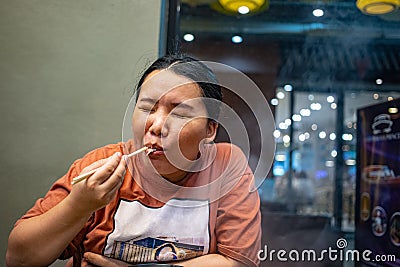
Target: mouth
x,y
154,150
149,151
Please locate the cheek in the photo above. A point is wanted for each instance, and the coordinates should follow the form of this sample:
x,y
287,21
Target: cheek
x,y
191,135
138,124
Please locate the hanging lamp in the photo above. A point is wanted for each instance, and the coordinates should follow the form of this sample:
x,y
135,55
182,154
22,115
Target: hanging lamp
x,y
377,7
234,6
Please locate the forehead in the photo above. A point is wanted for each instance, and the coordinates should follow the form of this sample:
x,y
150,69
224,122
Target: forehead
x,y
166,84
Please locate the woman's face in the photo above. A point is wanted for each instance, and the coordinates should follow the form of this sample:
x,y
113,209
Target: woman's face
x,y
170,116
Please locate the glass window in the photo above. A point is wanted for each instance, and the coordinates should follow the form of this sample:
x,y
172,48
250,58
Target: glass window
x,y
316,62
354,100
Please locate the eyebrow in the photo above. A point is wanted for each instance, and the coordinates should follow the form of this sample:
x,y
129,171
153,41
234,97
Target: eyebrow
x,y
183,105
174,104
148,100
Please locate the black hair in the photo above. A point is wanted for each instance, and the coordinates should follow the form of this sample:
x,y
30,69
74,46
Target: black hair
x,y
195,70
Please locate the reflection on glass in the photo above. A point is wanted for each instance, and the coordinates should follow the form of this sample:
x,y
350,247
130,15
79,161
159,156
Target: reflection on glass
x,y
353,101
312,167
329,65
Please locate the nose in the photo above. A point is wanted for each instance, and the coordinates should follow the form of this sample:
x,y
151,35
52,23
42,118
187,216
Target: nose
x,y
156,124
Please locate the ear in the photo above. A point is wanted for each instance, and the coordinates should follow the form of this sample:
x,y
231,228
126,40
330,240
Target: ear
x,y
212,127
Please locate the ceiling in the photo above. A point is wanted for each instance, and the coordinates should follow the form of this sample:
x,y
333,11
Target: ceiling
x,y
291,17
344,46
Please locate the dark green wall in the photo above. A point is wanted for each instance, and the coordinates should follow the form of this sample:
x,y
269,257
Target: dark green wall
x,y
66,73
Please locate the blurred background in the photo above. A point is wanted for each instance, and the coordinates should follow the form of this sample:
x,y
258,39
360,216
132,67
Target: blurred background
x,y
317,62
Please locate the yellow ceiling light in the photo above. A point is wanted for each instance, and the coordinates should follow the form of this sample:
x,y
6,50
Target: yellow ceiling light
x,y
377,7
235,6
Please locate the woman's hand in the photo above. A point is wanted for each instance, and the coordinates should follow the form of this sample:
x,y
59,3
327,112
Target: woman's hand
x,y
92,259
54,229
100,188
217,260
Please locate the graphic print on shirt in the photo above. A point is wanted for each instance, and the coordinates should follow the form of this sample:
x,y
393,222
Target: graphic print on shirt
x,y
172,232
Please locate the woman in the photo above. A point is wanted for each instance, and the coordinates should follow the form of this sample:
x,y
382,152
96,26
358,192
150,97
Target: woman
x,y
186,201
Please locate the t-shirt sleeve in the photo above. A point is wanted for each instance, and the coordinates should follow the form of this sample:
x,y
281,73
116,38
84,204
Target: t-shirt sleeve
x,y
238,225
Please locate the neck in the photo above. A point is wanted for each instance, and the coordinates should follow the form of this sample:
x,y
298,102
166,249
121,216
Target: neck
x,y
175,177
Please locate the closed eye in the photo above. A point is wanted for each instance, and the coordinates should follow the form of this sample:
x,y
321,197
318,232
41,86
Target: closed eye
x,y
146,109
146,105
182,110
181,116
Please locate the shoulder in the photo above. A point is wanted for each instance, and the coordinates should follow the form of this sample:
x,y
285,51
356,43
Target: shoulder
x,y
230,160
230,151
228,148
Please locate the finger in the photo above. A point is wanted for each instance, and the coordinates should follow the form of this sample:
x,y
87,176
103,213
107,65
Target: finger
x,y
112,189
85,263
117,177
112,185
92,259
105,171
100,260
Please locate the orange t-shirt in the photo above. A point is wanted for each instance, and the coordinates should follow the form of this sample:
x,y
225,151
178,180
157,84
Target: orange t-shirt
x,y
212,210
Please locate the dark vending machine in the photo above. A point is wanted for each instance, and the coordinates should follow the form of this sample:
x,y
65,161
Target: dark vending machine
x,y
378,184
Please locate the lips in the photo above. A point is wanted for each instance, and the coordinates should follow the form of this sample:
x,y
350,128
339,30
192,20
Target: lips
x,y
157,149
155,146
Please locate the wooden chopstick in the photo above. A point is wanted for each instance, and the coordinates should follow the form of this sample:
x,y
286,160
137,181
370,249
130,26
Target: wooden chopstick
x,y
87,174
